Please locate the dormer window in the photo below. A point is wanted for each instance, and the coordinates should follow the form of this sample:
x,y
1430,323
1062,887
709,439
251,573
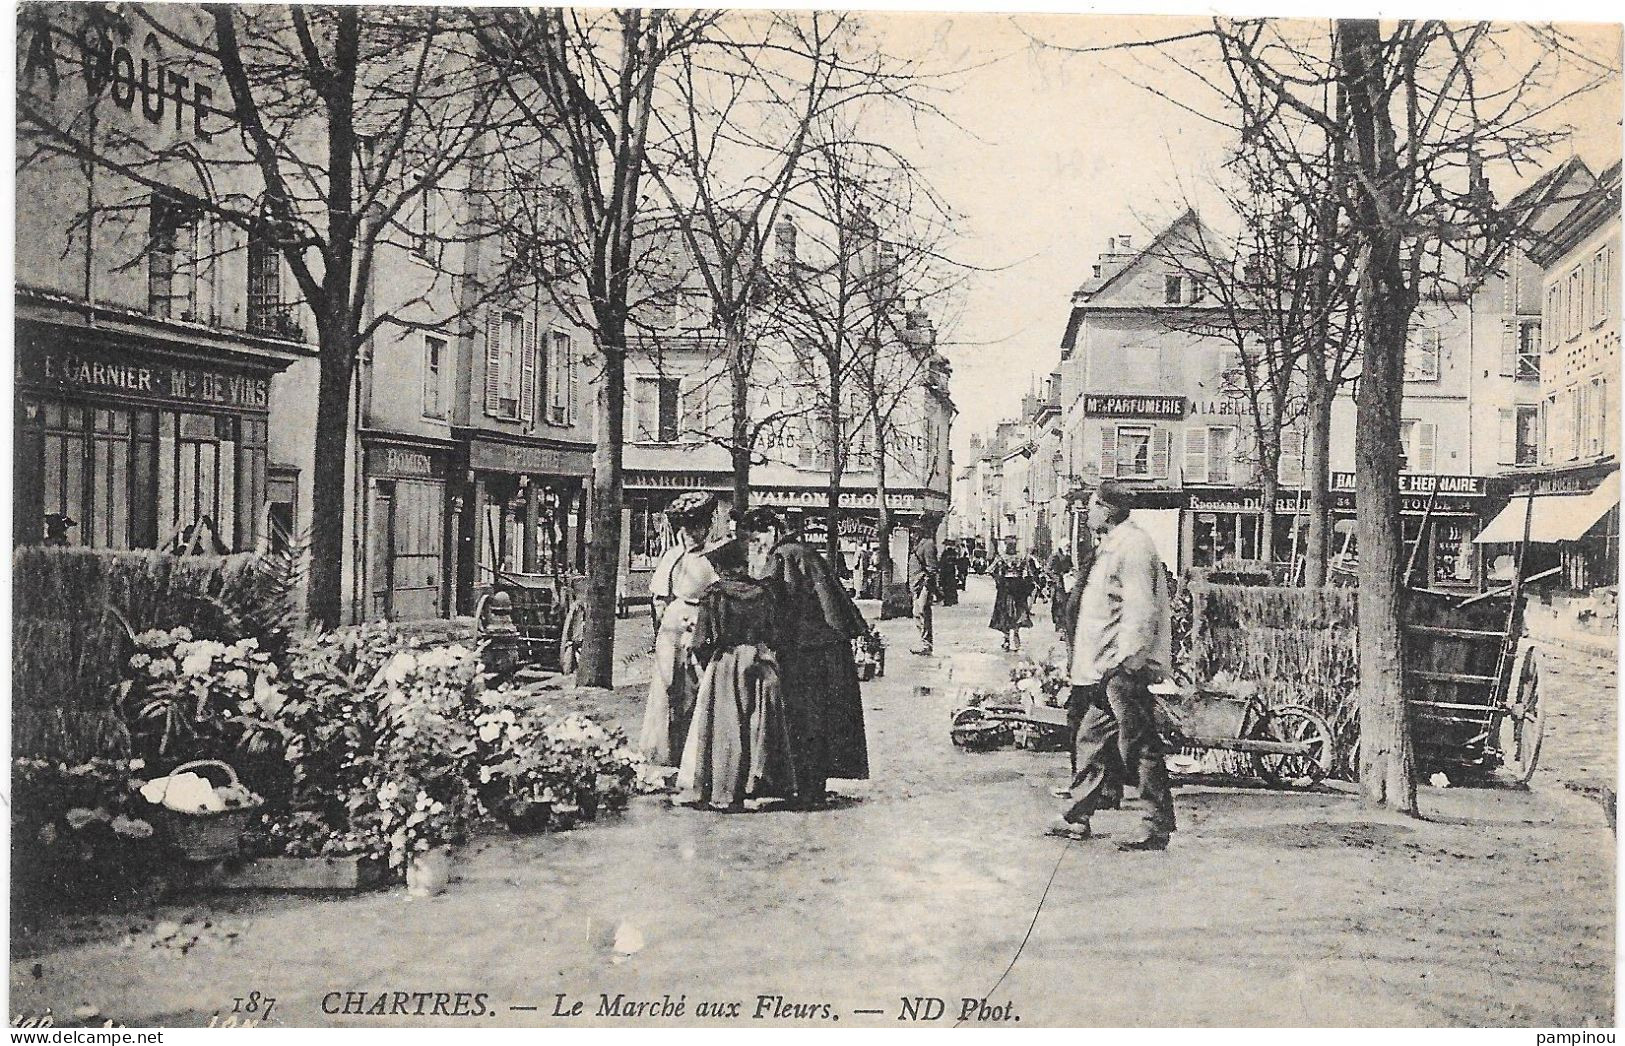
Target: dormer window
x,y
1173,288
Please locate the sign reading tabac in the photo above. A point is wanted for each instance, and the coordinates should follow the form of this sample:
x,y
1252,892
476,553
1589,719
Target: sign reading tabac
x,y
1108,405
1415,483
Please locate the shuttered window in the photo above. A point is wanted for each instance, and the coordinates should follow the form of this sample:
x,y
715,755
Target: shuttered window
x,y
493,363
527,373
1291,471
1418,446
1196,460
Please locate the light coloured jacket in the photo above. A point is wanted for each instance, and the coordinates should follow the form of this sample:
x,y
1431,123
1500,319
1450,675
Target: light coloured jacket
x,y
1123,613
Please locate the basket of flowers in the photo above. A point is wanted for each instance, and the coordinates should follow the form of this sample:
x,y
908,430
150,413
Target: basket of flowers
x,y
205,819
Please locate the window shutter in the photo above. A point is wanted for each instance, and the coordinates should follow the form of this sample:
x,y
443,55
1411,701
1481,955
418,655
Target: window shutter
x,y
1427,437
527,374
1509,349
570,377
1196,469
1508,441
493,362
1291,462
1160,440
1108,452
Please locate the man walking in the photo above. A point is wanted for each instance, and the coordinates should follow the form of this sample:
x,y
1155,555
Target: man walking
x,y
922,580
1122,646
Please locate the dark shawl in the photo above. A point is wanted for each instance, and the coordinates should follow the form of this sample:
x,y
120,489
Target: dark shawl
x,y
734,612
814,609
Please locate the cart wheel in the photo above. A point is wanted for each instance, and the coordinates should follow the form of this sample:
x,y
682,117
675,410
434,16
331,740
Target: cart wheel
x,y
1299,724
570,637
1524,725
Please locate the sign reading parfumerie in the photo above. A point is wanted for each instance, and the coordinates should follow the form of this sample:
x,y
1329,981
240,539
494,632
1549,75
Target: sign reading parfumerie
x,y
1108,405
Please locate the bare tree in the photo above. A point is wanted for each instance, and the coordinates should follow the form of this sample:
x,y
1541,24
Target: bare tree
x,y
585,82
346,116
738,127
1413,111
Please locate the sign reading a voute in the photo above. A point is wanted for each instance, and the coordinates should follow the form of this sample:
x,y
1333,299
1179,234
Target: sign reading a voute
x,y
163,381
1417,483
1106,405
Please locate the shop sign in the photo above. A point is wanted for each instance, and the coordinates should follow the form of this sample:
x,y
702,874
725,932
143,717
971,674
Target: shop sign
x,y
1116,406
1417,483
820,499
860,529
676,480
166,94
1242,502
76,370
489,456
1232,406
405,462
1559,485
1415,505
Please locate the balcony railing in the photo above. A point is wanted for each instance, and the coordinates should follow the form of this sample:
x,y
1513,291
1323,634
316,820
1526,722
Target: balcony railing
x,y
275,321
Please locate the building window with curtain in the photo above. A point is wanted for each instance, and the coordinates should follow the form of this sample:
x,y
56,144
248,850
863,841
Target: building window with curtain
x,y
172,259
434,377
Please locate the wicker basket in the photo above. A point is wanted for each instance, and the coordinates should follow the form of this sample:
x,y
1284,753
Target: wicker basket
x,y
209,836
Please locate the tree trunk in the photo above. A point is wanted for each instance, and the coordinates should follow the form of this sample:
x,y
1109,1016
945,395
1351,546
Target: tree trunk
x,y
837,462
324,596
882,514
1317,465
1385,300
740,441
1269,490
597,664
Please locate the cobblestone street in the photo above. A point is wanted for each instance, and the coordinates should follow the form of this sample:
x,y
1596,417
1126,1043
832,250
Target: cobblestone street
x,y
1271,908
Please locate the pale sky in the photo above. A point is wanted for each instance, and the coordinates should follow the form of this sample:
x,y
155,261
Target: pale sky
x,y
1063,151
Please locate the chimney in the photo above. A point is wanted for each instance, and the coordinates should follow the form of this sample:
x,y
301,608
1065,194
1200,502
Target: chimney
x,y
1124,242
784,238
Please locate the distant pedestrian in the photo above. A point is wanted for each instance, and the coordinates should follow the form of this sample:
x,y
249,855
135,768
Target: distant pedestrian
x,y
1060,567
1123,644
948,574
924,570
1012,609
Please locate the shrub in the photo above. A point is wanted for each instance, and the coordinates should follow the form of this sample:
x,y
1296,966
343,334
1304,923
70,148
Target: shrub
x,y
78,610
78,837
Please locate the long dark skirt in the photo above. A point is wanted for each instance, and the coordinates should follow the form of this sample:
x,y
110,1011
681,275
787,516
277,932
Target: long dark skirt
x,y
825,709
1011,606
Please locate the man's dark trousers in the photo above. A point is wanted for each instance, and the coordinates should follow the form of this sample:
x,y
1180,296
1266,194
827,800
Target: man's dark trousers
x,y
1122,729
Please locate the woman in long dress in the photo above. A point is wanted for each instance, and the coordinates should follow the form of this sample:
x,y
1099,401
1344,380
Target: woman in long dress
x,y
1012,609
681,577
739,745
817,622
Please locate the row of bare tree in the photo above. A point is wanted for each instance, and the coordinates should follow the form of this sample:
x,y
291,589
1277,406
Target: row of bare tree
x,y
603,161
1358,191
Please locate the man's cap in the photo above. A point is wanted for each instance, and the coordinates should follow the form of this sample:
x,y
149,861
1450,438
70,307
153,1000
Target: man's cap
x,y
1110,492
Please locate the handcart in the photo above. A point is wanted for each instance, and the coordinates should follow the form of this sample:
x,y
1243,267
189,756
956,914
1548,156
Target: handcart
x,y
535,619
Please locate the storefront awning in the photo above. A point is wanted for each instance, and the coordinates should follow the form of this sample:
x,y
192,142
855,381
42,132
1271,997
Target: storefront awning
x,y
1554,518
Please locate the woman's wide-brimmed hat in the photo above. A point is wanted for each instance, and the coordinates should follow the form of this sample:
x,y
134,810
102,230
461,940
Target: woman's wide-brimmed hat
x,y
694,504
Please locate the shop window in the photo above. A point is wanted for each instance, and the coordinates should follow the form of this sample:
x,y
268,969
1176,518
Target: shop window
x,y
434,377
172,258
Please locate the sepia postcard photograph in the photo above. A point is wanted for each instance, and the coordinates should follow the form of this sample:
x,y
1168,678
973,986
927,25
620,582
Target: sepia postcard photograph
x,y
560,518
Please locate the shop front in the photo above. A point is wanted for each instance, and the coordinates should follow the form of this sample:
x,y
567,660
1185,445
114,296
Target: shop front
x,y
1571,520
521,508
124,439
408,528
1441,513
